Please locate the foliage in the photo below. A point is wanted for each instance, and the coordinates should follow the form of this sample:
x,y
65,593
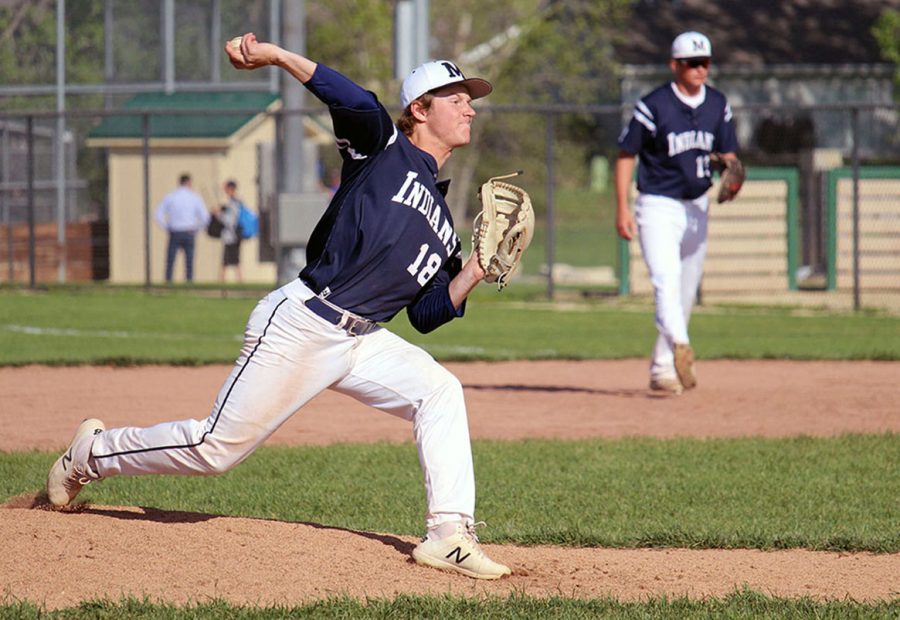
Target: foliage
x,y
27,42
887,33
565,54
535,53
28,47
523,46
355,36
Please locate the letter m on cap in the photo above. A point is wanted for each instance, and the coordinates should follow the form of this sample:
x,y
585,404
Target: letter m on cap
x,y
452,70
699,46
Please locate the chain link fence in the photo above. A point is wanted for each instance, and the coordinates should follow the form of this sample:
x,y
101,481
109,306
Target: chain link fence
x,y
818,221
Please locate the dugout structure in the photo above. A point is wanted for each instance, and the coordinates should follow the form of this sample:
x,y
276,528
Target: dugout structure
x,y
210,147
212,136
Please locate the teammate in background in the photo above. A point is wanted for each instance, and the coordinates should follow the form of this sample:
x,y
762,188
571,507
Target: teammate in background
x,y
385,243
229,214
673,131
182,213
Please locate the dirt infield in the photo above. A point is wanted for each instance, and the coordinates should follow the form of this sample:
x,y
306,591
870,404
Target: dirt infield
x,y
61,558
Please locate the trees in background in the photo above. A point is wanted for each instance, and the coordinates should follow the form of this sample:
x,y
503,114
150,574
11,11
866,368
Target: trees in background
x,y
887,33
534,51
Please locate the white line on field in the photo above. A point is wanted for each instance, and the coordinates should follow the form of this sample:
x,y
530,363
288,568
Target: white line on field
x,y
449,349
31,330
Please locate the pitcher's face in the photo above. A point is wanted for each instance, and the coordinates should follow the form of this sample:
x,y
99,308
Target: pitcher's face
x,y
450,115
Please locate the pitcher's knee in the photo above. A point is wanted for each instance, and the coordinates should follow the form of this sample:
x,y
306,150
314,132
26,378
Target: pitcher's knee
x,y
446,386
214,459
445,395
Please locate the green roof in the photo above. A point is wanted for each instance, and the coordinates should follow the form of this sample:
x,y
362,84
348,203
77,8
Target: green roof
x,y
209,124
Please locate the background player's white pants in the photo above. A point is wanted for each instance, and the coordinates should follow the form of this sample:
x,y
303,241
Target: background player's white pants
x,y
673,241
289,355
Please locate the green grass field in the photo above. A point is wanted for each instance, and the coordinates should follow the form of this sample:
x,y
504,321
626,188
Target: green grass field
x,y
829,494
130,326
741,605
815,493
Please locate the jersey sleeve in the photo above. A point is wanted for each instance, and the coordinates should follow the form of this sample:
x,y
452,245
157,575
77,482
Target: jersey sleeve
x,y
432,307
641,127
361,124
726,139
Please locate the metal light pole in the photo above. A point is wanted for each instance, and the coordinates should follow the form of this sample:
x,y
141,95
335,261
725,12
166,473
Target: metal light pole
x,y
412,36
59,142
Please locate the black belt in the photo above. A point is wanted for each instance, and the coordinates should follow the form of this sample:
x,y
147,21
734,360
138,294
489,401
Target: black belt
x,y
350,323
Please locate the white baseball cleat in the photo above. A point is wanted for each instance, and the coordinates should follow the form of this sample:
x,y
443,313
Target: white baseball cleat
x,y
684,365
669,385
71,471
459,552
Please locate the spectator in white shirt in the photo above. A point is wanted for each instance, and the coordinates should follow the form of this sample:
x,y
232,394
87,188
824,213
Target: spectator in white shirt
x,y
182,213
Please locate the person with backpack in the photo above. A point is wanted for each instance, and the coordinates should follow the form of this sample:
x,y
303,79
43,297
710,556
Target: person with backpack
x,y
236,226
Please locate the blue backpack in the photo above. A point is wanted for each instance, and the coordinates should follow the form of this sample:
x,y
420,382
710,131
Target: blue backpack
x,y
249,223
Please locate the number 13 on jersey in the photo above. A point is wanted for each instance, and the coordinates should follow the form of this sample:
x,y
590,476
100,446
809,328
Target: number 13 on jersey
x,y
703,167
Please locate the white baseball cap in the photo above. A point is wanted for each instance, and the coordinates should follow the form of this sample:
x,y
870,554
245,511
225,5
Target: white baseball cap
x,y
436,74
691,45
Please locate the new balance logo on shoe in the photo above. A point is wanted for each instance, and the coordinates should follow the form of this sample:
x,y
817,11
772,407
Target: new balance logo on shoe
x,y
457,552
66,459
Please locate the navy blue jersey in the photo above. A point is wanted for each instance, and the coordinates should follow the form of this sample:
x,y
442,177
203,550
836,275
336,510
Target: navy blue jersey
x,y
673,141
386,241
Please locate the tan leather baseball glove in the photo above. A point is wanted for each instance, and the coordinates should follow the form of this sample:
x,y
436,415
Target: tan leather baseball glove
x,y
503,230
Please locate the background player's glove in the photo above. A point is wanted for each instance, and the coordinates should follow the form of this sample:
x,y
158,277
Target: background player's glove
x,y
732,174
503,229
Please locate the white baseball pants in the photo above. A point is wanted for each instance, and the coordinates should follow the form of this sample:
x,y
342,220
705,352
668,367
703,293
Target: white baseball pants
x,y
289,355
673,241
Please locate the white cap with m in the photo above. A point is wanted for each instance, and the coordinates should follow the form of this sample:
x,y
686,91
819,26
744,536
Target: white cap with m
x,y
691,45
437,74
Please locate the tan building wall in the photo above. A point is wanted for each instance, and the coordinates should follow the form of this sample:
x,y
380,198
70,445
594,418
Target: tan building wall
x,y
210,162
